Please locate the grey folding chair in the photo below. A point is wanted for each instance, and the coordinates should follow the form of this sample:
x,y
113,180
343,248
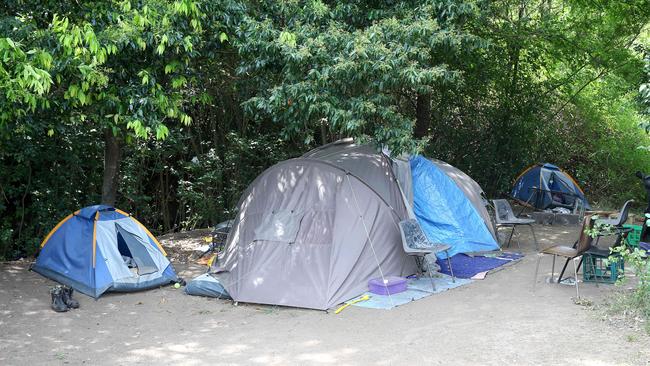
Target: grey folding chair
x,y
622,216
505,217
416,244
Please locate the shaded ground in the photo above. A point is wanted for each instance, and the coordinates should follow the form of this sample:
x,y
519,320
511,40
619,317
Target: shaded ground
x,y
497,321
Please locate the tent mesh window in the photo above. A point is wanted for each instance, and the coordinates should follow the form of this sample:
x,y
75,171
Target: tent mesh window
x,y
134,252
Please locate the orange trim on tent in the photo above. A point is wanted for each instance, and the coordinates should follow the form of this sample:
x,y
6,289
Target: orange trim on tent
x,y
95,238
122,212
56,228
573,180
524,172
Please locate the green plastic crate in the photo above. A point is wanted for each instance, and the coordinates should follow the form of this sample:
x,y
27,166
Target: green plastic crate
x,y
595,270
634,237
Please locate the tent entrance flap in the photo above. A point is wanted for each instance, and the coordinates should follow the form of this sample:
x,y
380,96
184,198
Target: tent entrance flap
x,y
132,246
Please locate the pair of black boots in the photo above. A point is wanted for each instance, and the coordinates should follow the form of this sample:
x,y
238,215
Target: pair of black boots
x,y
62,299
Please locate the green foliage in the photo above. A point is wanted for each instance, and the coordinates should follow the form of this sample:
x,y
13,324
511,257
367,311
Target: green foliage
x,y
24,79
644,94
205,95
49,176
121,65
351,68
556,84
636,301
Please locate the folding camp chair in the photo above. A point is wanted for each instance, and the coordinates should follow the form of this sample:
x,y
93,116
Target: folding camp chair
x,y
505,217
571,253
416,244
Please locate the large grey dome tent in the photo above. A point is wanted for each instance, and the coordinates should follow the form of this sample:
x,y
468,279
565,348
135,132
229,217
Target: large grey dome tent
x,y
311,231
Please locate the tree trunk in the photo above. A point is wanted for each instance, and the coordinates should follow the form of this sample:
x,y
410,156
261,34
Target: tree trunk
x,y
111,168
422,115
323,132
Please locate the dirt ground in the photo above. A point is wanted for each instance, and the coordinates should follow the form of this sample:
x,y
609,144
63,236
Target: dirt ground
x,y
497,321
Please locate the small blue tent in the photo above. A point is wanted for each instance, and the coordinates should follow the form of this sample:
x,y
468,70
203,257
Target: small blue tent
x,y
547,186
100,248
451,207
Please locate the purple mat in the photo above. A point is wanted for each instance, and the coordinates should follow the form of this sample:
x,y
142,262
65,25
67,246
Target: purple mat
x,y
465,266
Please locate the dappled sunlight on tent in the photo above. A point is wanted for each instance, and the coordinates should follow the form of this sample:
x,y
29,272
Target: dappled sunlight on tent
x,y
258,281
308,231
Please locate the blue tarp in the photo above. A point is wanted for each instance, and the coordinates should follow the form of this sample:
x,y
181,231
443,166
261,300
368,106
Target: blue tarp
x,y
444,212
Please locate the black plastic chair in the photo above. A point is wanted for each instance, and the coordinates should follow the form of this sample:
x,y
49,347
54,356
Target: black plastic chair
x,y
622,216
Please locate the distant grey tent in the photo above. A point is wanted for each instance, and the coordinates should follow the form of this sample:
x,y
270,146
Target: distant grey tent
x,y
311,231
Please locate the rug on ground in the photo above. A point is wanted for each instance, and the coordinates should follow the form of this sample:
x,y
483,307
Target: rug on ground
x,y
418,288
467,266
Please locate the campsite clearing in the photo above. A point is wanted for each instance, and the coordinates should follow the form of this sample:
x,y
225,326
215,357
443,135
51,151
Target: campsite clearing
x,y
492,322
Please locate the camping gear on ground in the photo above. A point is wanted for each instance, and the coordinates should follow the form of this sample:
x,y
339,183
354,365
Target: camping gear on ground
x,y
387,286
310,232
352,302
416,243
546,186
91,251
219,236
571,253
468,266
451,208
505,217
58,303
62,300
67,298
206,285
217,241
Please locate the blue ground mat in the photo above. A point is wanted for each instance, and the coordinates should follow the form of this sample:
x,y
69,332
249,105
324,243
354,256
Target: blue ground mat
x,y
466,266
417,289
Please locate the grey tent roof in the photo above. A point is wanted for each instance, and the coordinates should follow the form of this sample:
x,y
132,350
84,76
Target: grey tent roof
x,y
363,161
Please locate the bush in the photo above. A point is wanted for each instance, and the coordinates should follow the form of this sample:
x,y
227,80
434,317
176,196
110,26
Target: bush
x,y
635,303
